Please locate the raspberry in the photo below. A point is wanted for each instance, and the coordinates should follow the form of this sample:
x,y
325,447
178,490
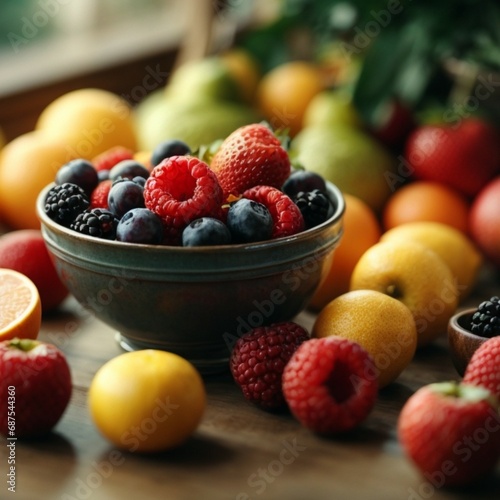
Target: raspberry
x,y
484,367
329,384
99,197
108,159
179,190
486,320
97,222
287,218
64,202
258,359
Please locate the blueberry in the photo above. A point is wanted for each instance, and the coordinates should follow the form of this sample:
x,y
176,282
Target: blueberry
x,y
249,221
303,180
206,231
103,175
80,172
166,149
140,225
124,196
128,169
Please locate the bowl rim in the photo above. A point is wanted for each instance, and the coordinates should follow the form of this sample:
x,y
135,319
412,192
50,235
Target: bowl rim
x,y
231,247
457,327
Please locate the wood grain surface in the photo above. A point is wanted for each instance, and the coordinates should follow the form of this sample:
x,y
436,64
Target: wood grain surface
x,y
238,452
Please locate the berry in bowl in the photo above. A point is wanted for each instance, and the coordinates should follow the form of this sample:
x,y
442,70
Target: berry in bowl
x,y
193,263
471,328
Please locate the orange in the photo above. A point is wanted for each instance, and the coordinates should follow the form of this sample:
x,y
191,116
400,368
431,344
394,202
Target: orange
x,y
415,275
454,247
380,324
90,121
28,164
20,306
147,401
284,93
361,231
426,201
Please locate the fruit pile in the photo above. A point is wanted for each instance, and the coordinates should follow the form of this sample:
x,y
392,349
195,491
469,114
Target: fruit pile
x,y
246,194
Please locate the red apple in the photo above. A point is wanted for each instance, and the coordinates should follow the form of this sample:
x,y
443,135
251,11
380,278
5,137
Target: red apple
x,y
484,221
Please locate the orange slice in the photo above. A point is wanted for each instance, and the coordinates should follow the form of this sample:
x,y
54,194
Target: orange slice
x,y
20,306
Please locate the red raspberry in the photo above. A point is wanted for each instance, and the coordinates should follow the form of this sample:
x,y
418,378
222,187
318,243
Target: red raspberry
x,y
108,159
258,359
99,196
287,217
252,155
179,190
484,367
328,384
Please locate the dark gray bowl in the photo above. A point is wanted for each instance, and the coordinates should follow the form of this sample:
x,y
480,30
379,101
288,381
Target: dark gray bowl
x,y
194,302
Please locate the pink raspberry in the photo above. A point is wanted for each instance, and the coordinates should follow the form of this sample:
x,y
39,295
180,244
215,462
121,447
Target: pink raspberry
x,y
258,359
329,385
287,217
179,190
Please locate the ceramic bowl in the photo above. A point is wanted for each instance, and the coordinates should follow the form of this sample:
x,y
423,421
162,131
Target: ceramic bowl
x,y
463,343
193,301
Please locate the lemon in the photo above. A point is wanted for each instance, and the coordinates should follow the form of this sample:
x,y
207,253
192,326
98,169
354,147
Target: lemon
x,y
147,401
415,275
458,251
380,324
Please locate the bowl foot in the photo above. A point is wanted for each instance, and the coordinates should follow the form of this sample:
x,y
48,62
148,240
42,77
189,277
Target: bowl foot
x,y
204,366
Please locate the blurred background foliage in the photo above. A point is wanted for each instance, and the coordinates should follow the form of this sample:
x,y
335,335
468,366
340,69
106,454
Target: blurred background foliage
x,y
406,49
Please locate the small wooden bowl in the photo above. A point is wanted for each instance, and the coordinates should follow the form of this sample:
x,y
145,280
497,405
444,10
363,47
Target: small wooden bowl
x,y
463,343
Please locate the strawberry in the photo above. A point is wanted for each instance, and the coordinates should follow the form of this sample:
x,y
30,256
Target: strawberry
x,y
484,367
328,384
464,156
252,155
451,432
35,387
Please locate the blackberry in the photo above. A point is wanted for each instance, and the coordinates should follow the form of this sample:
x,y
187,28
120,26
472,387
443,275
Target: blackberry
x,y
97,222
315,207
486,320
64,202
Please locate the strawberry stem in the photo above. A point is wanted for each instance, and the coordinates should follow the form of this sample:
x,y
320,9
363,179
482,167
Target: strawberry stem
x,y
24,345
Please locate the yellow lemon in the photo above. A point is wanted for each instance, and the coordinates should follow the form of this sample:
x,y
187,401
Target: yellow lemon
x,y
147,401
415,275
380,324
456,249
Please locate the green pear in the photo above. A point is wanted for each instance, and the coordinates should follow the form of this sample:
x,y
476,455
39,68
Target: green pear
x,y
331,108
195,122
349,158
203,79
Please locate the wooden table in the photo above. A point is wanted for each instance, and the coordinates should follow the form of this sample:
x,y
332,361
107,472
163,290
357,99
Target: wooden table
x,y
239,452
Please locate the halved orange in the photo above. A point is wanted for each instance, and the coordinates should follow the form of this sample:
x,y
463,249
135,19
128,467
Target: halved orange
x,y
20,306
